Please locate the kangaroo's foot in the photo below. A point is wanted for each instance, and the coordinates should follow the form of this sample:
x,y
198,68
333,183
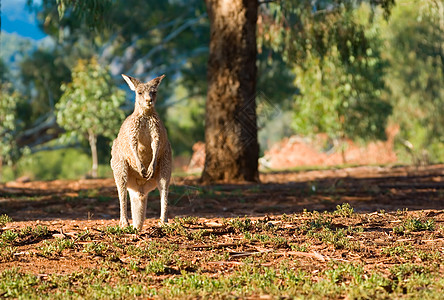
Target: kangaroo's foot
x,y
123,223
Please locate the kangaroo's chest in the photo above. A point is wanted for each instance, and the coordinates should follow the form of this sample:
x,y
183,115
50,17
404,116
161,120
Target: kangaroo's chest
x,y
144,135
147,132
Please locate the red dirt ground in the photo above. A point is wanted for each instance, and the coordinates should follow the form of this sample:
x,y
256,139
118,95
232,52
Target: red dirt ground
x,y
67,207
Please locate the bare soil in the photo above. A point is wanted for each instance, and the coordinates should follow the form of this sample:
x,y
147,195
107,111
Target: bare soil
x,y
381,197
296,151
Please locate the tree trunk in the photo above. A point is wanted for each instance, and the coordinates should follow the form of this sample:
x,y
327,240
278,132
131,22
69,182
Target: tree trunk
x,y
93,144
231,145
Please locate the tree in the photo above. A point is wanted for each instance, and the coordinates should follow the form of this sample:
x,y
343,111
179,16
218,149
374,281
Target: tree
x,y
8,123
300,29
415,39
90,105
231,145
42,74
141,38
340,93
231,131
4,72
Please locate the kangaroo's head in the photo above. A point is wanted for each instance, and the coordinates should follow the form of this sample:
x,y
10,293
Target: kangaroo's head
x,y
145,92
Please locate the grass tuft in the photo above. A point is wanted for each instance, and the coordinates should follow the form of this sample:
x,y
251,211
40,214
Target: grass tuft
x,y
4,219
414,225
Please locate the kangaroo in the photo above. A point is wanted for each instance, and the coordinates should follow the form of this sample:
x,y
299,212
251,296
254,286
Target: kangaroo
x,y
141,155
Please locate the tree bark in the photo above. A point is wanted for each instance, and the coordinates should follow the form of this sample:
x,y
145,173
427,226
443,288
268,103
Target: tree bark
x,y
231,145
93,144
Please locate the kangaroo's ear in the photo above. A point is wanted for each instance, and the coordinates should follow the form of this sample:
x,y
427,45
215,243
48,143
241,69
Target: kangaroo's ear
x,y
156,81
132,82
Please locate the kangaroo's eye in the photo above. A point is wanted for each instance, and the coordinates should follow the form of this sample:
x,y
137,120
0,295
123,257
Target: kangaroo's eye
x,y
140,93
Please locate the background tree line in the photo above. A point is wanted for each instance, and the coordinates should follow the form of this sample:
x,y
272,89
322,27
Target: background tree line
x,y
345,68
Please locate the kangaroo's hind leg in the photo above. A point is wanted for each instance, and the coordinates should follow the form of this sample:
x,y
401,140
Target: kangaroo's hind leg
x,y
163,183
139,196
120,171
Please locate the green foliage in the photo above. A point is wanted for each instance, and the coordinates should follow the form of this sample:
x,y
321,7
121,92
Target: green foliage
x,y
91,103
302,28
336,53
340,90
8,122
172,31
90,12
55,164
167,37
14,48
4,72
343,53
42,74
416,76
185,120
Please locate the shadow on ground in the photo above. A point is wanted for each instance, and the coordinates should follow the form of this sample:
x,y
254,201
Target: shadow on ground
x,y
367,189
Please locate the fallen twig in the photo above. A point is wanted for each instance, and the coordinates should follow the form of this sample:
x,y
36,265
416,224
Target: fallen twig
x,y
239,254
238,263
404,240
434,240
214,246
306,254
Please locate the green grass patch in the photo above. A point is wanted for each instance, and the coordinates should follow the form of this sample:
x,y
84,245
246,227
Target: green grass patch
x,y
56,164
119,231
4,219
413,225
312,255
55,248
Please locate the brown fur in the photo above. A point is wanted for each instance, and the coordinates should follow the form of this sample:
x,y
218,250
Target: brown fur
x,y
141,155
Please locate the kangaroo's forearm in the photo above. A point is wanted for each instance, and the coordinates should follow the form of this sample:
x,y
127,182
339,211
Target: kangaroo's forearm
x,y
155,150
134,146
